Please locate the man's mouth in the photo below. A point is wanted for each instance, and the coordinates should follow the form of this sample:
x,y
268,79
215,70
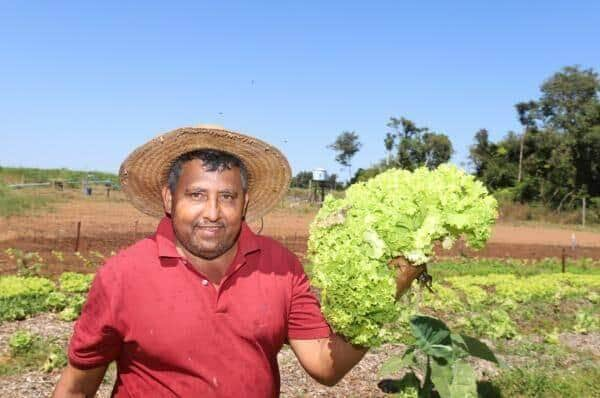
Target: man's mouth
x,y
209,229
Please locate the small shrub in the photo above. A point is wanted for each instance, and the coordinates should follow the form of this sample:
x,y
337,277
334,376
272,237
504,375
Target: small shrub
x,y
68,314
20,342
73,282
20,296
56,301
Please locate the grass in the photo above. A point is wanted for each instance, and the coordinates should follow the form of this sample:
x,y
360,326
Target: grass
x,y
467,266
37,353
19,202
16,175
549,382
534,214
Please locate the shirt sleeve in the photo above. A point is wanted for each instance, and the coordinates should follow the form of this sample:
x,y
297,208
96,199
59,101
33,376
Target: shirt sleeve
x,y
305,319
96,340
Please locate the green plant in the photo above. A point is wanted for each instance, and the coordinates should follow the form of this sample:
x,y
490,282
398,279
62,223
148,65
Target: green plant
x,y
97,254
20,342
395,214
58,255
57,359
585,322
13,202
29,351
56,301
72,310
20,296
439,358
28,263
85,261
73,282
495,323
552,337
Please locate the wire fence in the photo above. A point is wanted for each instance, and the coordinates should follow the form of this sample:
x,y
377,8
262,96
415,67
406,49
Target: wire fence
x,y
103,220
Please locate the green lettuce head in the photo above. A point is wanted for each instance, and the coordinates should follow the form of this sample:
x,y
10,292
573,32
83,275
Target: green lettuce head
x,y
395,214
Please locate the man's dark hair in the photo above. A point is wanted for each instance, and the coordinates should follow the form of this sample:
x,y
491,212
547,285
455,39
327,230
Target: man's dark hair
x,y
212,160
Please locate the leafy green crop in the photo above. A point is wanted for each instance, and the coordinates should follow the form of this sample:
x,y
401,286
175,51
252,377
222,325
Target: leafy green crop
x,y
21,296
73,282
20,342
395,214
29,351
24,296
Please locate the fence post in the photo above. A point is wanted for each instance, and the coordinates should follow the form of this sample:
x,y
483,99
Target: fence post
x,y
78,235
563,260
583,213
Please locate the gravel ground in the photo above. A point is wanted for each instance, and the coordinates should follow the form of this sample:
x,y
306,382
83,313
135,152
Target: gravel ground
x,y
47,325
360,382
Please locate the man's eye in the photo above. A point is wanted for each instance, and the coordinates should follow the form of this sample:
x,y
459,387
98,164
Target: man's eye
x,y
227,196
197,195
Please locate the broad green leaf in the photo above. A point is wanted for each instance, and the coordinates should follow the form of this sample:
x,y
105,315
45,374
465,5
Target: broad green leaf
x,y
459,345
441,376
479,349
440,351
429,331
396,363
464,384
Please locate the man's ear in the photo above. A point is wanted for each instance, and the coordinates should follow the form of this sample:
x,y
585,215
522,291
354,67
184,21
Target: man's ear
x,y
246,201
167,200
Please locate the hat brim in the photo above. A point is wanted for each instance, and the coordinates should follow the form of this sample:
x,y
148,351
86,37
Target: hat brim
x,y
145,171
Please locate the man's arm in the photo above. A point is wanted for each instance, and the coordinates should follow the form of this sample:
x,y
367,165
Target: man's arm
x,y
327,360
79,383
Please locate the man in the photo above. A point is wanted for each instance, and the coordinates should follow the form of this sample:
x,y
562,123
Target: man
x,y
202,307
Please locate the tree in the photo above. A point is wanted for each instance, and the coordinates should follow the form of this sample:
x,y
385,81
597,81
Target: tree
x,y
418,146
301,180
556,160
495,163
526,112
346,145
570,105
334,183
388,142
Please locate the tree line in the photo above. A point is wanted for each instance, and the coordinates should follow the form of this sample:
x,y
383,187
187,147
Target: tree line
x,y
554,159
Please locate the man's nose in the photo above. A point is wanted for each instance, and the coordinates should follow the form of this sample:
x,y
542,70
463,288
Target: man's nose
x,y
212,210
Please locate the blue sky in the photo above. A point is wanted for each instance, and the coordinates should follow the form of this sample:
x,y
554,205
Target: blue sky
x,y
83,84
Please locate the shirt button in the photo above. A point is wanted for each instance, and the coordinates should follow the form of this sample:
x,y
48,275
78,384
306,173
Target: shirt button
x,y
204,282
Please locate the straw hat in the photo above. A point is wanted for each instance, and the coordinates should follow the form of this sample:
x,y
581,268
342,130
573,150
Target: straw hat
x,y
145,171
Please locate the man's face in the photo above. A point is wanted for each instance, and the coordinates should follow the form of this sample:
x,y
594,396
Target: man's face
x,y
206,209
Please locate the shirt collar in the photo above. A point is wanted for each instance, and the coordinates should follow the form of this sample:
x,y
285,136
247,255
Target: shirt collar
x,y
165,240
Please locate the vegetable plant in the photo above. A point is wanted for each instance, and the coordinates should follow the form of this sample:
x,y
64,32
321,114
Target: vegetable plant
x,y
437,361
28,263
20,342
397,214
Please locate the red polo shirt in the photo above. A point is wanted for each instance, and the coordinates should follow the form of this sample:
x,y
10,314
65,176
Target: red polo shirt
x,y
173,333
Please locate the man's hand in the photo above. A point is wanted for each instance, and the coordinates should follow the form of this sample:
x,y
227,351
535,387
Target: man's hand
x,y
406,274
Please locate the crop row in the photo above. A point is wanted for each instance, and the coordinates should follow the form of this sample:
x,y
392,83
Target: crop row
x,y
24,296
508,306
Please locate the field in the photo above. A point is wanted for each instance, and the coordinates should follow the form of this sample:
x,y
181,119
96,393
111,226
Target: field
x,y
542,323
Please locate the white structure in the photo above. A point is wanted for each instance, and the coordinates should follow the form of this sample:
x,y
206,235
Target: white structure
x,y
319,175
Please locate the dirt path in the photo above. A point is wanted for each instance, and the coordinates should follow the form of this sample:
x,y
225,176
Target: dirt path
x,y
522,235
